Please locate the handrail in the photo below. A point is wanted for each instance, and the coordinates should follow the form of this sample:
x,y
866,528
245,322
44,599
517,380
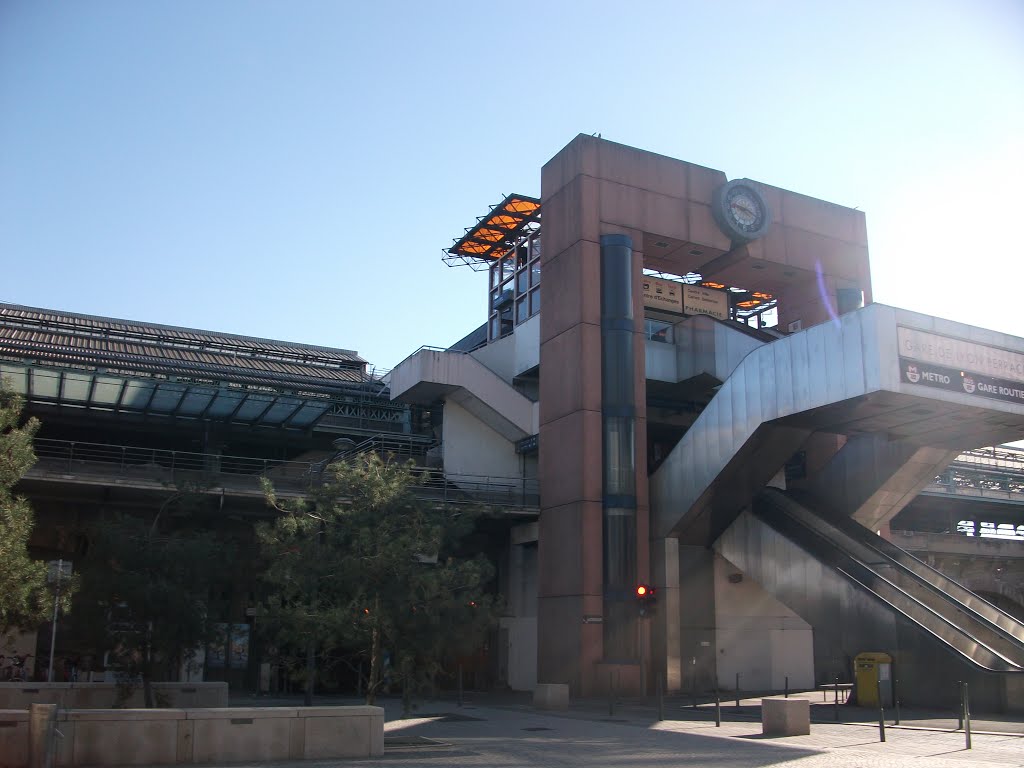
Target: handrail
x,y
70,457
956,629
980,478
469,352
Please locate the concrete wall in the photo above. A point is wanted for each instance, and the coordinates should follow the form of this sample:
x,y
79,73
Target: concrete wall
x,y
660,361
758,636
104,695
512,355
695,610
847,621
704,345
473,448
521,637
121,737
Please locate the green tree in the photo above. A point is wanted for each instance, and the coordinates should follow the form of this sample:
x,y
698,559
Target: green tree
x,y
25,599
361,562
145,588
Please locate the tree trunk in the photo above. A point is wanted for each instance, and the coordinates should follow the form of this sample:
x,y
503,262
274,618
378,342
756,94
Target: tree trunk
x,y
147,669
373,684
310,671
406,686
147,691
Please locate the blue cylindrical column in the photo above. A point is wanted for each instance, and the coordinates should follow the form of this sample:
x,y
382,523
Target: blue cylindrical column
x,y
618,416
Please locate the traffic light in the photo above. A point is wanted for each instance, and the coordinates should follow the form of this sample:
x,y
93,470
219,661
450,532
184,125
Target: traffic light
x,y
646,599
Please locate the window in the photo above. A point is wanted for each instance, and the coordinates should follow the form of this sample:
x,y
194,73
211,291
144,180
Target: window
x,y
514,287
522,310
659,330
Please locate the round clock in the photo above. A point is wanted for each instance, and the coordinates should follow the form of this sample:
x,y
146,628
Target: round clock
x,y
741,211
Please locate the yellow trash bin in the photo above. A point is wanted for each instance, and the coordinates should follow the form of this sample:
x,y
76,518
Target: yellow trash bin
x,y
873,676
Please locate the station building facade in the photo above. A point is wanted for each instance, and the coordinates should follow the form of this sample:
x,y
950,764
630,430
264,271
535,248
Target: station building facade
x,y
679,381
715,407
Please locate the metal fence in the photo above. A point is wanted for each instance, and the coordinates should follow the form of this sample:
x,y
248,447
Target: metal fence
x,y
101,462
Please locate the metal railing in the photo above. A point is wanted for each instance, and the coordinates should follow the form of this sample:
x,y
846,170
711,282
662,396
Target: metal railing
x,y
962,477
102,462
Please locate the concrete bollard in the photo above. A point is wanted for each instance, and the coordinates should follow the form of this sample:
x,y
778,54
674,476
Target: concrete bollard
x,y
551,696
42,725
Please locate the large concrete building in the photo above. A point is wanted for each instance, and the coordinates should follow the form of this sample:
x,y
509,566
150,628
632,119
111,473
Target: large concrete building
x,y
709,404
715,407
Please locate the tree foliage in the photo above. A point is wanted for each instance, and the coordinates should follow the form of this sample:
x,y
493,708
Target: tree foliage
x,y
146,585
25,599
363,563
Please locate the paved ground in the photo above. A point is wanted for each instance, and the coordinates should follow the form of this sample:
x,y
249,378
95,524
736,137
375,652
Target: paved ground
x,y
504,731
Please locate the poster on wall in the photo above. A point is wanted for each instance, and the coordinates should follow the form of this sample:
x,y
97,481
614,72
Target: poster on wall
x,y
231,651
216,652
239,656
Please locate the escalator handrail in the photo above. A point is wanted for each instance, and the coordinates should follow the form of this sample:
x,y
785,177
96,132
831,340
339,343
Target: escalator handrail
x,y
860,573
943,585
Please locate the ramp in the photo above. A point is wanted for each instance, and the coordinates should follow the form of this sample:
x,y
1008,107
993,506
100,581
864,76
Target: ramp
x,y
870,372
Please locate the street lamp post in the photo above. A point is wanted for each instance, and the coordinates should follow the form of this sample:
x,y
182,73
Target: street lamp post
x,y
56,573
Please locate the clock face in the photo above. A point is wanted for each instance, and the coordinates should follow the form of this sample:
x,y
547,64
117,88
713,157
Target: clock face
x,y
741,211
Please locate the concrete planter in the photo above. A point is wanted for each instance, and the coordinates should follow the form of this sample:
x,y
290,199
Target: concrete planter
x,y
123,737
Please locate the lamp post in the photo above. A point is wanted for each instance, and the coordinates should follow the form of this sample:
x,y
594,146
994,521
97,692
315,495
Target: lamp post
x,y
54,576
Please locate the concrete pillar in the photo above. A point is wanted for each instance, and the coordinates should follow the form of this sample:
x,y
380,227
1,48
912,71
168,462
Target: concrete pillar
x,y
666,648
42,725
871,478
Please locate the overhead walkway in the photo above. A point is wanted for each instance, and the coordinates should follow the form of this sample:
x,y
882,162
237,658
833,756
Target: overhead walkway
x,y
980,633
429,375
844,378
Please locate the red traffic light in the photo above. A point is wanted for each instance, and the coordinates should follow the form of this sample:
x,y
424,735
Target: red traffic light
x,y
643,590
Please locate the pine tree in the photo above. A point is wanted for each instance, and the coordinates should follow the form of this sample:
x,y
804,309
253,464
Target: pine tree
x,y
146,585
362,562
25,600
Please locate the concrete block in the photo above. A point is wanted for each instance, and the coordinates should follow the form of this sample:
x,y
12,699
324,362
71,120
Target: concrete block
x,y
243,736
14,730
785,717
186,741
123,737
342,731
296,739
235,713
42,719
128,741
551,696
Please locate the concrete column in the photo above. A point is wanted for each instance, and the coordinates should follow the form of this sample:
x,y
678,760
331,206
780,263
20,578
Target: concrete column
x,y
871,478
666,648
42,724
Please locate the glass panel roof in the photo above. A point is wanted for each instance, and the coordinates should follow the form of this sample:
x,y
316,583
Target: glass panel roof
x,y
166,398
496,232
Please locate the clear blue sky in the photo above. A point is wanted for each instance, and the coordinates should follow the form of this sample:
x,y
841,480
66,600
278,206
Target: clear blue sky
x,y
293,169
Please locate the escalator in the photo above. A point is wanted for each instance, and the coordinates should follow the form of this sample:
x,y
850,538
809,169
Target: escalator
x,y
978,632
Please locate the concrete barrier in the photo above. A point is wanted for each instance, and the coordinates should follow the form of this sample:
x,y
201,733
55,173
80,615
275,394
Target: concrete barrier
x,y
785,717
14,738
124,737
105,695
551,696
